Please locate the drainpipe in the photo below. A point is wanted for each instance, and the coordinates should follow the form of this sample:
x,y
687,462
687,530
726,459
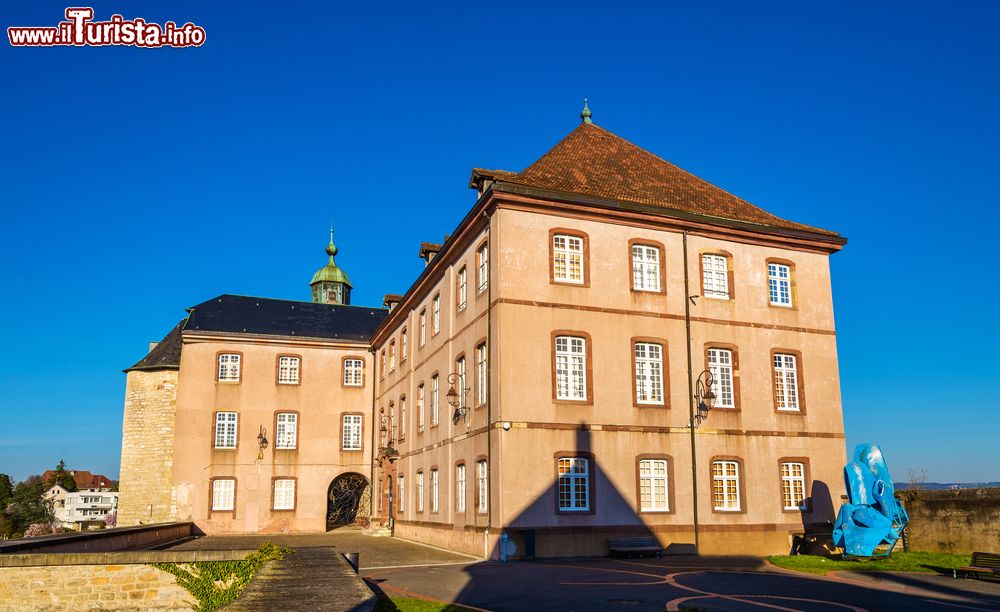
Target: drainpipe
x,y
374,426
687,329
491,263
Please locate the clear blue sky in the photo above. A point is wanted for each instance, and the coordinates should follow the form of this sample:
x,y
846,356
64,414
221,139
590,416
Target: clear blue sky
x,y
137,182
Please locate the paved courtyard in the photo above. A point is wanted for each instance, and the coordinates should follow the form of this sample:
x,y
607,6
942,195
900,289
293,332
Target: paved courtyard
x,y
670,584
708,583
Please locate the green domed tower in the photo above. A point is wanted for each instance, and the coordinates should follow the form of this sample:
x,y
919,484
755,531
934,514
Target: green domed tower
x,y
330,284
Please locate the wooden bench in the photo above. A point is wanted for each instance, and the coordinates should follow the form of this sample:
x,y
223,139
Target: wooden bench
x,y
628,546
982,564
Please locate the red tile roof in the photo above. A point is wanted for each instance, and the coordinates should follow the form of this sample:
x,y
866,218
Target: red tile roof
x,y
594,162
83,479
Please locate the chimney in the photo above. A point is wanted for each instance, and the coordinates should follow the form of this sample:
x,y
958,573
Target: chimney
x,y
391,300
428,250
152,345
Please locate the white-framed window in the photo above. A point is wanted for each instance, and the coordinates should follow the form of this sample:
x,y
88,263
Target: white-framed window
x,y
284,494
420,491
223,494
793,486
351,432
354,372
463,288
401,501
420,407
567,259
483,255
574,484
402,417
434,490
288,370
648,373
653,485
481,375
392,355
715,276
720,364
483,486
423,327
225,429
229,367
786,382
382,363
435,399
286,431
726,485
402,346
460,487
571,368
645,268
436,314
779,284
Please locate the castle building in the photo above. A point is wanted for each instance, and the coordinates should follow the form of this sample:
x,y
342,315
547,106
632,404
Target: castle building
x,y
606,346
254,415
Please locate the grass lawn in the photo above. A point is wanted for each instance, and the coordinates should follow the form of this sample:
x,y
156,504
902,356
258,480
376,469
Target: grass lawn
x,y
409,604
898,562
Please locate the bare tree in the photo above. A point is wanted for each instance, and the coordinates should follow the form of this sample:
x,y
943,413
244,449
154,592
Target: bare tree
x,y
915,479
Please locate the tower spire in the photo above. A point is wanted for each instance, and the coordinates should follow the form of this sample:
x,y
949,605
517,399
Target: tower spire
x,y
330,285
585,114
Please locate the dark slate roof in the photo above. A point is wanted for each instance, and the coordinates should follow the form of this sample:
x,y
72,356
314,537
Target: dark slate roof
x,y
166,355
240,315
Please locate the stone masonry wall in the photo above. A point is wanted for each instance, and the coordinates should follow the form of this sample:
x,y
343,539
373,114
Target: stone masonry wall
x,y
147,448
961,521
90,587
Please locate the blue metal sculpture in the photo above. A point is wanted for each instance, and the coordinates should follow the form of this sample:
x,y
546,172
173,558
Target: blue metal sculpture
x,y
872,517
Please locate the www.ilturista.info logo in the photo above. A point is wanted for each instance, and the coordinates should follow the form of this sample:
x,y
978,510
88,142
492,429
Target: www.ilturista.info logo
x,y
80,30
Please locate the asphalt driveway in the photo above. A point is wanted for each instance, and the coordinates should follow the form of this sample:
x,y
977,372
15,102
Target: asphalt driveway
x,y
705,583
669,584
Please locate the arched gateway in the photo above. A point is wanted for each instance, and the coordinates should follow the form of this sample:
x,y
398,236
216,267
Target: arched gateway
x,y
348,501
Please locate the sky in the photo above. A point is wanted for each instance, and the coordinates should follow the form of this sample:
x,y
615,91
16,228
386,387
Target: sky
x,y
135,183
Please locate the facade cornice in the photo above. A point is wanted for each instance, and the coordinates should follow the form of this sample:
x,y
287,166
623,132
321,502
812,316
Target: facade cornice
x,y
191,337
668,219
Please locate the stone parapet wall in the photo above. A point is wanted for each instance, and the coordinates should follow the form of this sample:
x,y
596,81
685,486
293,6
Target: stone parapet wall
x,y
146,485
958,521
99,581
90,587
103,541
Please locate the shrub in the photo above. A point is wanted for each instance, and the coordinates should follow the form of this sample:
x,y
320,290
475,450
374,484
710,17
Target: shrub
x,y
216,583
39,529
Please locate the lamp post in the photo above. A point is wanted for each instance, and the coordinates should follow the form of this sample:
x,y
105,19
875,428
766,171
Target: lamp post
x,y
703,397
456,397
261,443
386,450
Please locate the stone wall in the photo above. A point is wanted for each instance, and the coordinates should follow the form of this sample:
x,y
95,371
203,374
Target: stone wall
x,y
99,581
90,587
147,448
959,521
